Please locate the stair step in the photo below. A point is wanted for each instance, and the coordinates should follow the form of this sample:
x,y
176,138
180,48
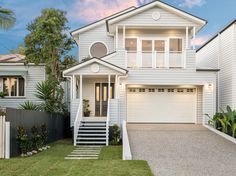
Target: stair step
x,y
89,127
93,121
88,146
93,124
81,158
82,155
90,142
91,134
92,131
85,152
90,138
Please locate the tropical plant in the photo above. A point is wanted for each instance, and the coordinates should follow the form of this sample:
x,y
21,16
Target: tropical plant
x,y
51,93
7,18
20,50
115,135
225,121
28,105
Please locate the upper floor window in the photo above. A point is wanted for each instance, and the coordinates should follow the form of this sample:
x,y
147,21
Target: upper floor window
x,y
14,86
176,45
131,44
98,50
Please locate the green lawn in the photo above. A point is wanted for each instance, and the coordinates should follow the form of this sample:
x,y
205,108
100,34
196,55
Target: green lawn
x,y
52,162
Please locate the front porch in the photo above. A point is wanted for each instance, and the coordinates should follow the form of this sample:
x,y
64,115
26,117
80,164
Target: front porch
x,y
94,98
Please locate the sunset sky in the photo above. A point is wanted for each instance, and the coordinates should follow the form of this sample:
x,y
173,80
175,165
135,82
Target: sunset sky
x,y
81,12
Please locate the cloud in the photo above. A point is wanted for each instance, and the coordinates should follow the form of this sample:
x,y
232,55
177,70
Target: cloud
x,y
192,3
91,10
200,40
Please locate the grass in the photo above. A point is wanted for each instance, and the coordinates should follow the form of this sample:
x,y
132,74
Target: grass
x,y
52,162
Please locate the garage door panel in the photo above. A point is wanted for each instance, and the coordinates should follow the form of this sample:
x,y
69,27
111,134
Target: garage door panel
x,y
161,107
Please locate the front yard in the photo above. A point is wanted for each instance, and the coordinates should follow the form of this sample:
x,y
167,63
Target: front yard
x,y
52,162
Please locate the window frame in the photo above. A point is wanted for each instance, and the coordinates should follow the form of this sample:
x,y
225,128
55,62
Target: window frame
x,y
182,43
137,44
17,86
95,43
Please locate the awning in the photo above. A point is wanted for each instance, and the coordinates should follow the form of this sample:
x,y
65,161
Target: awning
x,y
22,73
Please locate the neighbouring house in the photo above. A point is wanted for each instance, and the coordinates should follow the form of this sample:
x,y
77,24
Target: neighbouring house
x,y
18,81
219,53
142,69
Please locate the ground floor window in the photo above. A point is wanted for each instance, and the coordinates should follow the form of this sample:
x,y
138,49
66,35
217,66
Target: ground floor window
x,y
14,86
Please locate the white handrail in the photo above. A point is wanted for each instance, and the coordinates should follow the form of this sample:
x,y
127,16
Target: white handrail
x,y
126,155
107,122
77,121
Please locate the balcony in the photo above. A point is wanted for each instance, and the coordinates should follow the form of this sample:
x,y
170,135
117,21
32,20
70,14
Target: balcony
x,y
143,59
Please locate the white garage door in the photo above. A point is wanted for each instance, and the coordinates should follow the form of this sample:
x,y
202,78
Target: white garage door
x,y
161,105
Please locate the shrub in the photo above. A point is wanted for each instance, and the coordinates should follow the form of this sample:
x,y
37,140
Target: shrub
x,y
36,138
115,135
22,139
44,134
3,94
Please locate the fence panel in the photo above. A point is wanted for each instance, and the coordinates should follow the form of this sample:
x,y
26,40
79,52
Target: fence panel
x,y
27,119
2,136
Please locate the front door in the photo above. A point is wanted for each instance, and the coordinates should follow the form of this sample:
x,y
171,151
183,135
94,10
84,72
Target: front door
x,y
101,97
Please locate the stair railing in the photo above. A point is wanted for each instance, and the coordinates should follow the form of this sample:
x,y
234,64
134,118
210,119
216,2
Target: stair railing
x,y
107,122
77,121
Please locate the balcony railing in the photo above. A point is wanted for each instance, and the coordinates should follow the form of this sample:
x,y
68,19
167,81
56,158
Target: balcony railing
x,y
143,59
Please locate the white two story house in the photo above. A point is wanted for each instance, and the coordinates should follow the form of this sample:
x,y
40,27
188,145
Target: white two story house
x,y
142,69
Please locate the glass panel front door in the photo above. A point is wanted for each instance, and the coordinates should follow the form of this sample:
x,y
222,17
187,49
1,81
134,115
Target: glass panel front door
x,y
101,97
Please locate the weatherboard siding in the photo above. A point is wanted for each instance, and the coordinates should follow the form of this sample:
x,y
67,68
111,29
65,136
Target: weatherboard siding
x,y
98,34
34,75
220,53
167,19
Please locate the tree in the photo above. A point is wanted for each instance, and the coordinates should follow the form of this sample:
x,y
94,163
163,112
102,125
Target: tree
x,y
19,50
48,41
7,18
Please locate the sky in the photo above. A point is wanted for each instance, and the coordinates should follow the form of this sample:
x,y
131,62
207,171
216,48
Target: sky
x,y
218,13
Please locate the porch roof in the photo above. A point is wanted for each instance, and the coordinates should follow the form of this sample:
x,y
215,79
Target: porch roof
x,y
98,61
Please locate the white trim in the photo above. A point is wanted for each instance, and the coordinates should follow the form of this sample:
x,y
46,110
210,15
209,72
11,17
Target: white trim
x,y
98,42
226,136
91,61
162,5
117,37
124,35
187,38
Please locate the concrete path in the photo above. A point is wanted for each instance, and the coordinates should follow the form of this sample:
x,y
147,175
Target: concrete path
x,y
182,150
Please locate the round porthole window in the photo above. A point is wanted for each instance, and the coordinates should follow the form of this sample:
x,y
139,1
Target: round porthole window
x,y
98,50
156,16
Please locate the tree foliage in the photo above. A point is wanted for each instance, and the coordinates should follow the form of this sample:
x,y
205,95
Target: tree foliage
x,y
7,18
48,41
19,50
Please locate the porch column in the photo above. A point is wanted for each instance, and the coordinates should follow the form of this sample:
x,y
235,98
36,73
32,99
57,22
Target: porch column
x,y
81,87
73,88
109,85
194,37
187,38
124,35
116,37
116,87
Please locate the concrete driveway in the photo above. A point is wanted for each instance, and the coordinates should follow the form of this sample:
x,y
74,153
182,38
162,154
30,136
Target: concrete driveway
x,y
177,149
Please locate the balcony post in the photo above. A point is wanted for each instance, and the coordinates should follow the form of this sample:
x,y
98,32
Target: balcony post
x,y
194,37
187,38
109,87
117,37
124,35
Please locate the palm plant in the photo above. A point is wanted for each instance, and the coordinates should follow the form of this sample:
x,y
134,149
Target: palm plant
x,y
29,106
7,18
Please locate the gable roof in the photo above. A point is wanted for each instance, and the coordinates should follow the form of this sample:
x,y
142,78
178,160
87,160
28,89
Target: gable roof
x,y
220,32
153,4
99,22
12,58
92,60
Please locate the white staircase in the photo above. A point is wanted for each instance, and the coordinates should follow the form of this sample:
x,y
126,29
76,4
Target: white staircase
x,y
92,132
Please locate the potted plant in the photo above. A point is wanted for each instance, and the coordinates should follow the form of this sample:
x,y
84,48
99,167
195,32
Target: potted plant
x,y
86,108
2,94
